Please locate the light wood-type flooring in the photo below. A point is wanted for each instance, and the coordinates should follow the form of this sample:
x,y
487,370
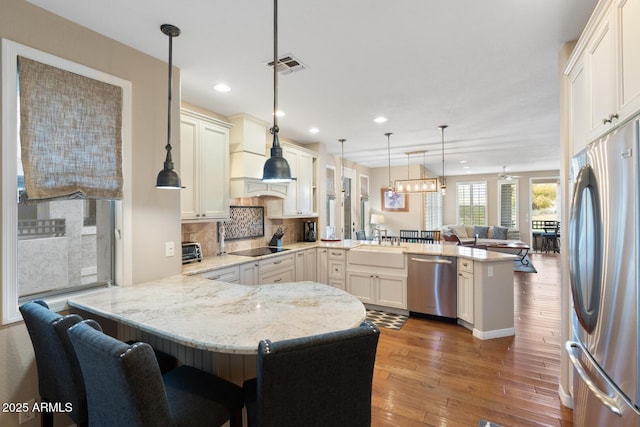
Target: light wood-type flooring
x,y
437,374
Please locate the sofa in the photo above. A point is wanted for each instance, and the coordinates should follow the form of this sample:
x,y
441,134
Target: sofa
x,y
486,234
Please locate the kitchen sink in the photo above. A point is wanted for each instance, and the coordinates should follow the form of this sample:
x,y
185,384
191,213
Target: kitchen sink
x,y
378,255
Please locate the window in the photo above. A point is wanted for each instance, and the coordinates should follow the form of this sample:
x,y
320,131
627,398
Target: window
x,y
508,203
432,210
364,203
330,209
55,246
472,203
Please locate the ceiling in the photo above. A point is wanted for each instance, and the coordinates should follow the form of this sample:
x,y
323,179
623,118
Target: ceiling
x,y
488,69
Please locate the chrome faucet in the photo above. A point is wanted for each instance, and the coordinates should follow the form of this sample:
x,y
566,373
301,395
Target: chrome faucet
x,y
395,239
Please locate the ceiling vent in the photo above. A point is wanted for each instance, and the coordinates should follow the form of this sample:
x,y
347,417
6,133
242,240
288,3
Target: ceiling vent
x,y
288,64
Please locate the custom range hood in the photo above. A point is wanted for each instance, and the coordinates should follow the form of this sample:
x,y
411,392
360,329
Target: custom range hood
x,y
248,143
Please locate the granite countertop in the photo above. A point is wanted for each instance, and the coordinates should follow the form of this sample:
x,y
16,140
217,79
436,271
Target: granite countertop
x,y
221,261
224,317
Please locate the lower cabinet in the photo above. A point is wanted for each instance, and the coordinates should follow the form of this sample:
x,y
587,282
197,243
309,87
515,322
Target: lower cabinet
x,y
465,290
322,265
337,261
305,265
249,273
379,289
280,269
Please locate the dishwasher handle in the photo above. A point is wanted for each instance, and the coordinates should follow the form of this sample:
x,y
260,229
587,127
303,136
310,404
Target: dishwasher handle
x,y
432,261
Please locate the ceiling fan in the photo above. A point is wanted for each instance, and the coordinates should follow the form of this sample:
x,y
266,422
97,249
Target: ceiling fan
x,y
505,175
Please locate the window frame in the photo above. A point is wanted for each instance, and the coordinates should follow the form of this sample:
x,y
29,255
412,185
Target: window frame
x,y
123,215
485,205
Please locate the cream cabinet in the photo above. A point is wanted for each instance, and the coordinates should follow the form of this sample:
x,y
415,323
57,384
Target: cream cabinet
x,y
604,72
465,290
279,269
337,263
379,289
226,274
204,167
305,265
300,200
249,273
322,265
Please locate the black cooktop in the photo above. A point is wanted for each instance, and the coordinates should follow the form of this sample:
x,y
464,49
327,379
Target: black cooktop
x,y
267,250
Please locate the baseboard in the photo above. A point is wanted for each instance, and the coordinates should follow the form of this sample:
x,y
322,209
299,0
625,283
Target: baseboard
x,y
565,398
496,333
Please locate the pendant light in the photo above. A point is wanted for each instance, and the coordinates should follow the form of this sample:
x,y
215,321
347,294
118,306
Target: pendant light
x,y
443,182
419,185
341,141
168,177
390,189
276,168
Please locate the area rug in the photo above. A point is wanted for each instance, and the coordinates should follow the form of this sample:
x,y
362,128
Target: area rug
x,y
524,267
484,423
383,319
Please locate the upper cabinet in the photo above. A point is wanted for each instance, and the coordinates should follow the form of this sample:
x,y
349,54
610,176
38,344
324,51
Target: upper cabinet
x,y
604,71
204,167
300,200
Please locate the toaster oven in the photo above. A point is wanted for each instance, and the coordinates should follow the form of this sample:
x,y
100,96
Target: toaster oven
x,y
191,252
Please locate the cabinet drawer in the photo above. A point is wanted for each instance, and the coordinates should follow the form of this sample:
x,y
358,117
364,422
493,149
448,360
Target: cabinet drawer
x,y
227,274
277,277
465,265
279,263
336,269
337,254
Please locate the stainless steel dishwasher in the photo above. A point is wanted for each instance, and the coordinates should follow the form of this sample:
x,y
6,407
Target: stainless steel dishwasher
x,y
432,286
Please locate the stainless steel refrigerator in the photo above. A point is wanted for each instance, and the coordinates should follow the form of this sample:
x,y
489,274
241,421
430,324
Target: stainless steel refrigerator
x,y
603,260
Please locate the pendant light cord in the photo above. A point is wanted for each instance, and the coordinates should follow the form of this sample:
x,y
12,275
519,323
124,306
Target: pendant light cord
x,y
388,134
275,129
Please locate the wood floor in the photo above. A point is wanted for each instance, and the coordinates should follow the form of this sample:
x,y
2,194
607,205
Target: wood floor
x,y
436,374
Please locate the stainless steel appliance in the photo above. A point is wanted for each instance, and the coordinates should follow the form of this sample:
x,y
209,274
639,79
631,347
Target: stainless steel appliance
x,y
191,252
603,269
432,285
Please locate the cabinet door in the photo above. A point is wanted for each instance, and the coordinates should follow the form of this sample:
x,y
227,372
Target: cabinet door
x,y
579,108
249,273
392,291
322,267
304,183
602,80
285,276
214,172
465,296
361,285
628,12
291,201
188,167
300,270
310,265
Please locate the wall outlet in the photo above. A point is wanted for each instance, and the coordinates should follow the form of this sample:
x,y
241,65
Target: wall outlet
x,y
192,237
29,415
169,249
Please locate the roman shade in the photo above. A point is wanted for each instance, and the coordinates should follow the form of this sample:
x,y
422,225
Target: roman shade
x,y
70,134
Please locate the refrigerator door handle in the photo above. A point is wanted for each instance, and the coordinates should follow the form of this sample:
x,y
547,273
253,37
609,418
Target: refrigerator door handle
x,y
601,395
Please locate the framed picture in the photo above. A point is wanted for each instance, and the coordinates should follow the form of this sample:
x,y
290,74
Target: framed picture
x,y
395,202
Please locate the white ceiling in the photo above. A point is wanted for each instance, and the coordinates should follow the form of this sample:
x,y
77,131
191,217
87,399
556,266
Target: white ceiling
x,y
488,69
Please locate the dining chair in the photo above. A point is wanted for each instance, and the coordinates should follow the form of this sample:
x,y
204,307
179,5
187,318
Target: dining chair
x,y
409,235
124,386
59,376
430,236
361,235
321,380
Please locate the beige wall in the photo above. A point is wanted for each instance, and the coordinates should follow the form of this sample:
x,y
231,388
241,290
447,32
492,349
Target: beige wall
x,y
155,213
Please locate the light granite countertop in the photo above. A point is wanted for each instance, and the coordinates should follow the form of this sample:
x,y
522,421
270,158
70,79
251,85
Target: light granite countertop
x,y
481,255
224,317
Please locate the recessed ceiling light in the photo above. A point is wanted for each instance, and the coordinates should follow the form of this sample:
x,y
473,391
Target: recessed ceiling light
x,y
380,119
314,130
463,161
466,167
221,87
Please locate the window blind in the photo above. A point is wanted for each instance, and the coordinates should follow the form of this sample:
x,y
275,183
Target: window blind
x,y
70,134
508,210
472,203
432,210
331,183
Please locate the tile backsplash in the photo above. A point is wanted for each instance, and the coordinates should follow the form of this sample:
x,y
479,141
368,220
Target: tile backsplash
x,y
207,233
